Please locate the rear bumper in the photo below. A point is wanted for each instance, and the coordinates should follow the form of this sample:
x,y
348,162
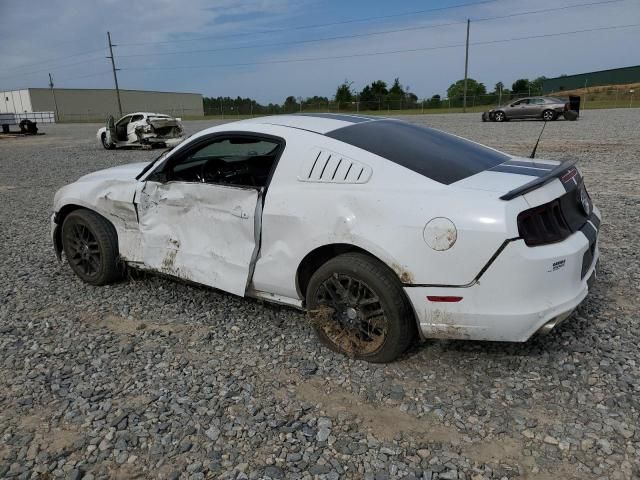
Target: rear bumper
x,y
524,290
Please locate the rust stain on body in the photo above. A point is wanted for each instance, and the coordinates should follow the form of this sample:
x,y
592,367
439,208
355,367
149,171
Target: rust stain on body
x,y
405,275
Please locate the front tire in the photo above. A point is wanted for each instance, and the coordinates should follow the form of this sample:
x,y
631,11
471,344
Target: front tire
x,y
549,115
90,244
358,308
107,145
499,117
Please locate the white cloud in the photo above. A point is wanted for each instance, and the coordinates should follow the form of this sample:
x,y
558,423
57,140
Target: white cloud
x,y
82,26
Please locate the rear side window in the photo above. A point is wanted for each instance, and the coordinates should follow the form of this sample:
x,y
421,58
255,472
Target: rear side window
x,y
437,155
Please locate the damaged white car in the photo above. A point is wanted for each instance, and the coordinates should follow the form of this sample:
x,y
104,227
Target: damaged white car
x,y
383,230
141,130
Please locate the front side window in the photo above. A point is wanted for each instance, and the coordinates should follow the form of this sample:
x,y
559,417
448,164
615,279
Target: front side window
x,y
124,121
239,161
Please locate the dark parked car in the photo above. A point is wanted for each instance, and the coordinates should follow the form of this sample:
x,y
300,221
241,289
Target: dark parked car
x,y
544,108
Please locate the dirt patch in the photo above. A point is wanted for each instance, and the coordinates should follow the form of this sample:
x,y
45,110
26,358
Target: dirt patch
x,y
128,471
53,439
122,324
495,450
129,326
383,422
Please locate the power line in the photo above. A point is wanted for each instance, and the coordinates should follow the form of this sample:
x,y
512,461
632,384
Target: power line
x,y
391,52
76,77
316,40
367,34
79,54
320,25
82,62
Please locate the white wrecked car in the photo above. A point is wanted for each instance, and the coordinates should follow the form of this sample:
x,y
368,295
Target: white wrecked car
x,y
381,229
142,130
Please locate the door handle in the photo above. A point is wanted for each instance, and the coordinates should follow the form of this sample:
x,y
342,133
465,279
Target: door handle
x,y
237,212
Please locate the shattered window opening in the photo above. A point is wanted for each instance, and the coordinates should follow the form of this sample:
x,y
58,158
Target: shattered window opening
x,y
238,161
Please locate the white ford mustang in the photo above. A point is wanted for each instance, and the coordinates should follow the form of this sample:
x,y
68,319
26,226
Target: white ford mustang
x,y
383,230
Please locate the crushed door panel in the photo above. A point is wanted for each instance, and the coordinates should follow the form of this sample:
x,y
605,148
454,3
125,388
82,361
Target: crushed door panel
x,y
199,232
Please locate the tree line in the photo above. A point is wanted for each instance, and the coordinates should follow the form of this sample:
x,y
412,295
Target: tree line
x,y
377,95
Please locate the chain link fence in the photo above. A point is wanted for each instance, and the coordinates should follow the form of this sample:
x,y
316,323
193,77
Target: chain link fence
x,y
598,98
592,98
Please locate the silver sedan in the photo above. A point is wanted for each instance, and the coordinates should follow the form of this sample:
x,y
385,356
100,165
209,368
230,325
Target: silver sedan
x,y
545,108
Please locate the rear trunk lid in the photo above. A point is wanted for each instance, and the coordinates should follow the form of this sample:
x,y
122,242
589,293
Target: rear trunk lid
x,y
538,181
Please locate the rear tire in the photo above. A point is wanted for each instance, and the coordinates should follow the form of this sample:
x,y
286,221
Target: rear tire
x,y
90,244
358,308
549,115
499,117
105,144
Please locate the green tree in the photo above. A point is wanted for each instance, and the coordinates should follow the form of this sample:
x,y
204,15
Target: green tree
x,y
317,100
520,86
372,96
291,104
434,102
456,90
344,94
396,89
536,85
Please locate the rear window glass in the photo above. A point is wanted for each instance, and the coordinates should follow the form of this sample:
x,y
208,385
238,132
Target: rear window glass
x,y
437,155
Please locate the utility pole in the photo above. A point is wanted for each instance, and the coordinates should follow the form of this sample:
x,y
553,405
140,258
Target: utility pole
x,y
53,93
113,67
466,69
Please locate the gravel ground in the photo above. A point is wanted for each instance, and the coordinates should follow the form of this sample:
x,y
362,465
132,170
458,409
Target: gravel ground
x,y
151,378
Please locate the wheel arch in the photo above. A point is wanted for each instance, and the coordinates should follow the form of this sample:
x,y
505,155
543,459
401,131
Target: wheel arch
x,y
320,255
63,213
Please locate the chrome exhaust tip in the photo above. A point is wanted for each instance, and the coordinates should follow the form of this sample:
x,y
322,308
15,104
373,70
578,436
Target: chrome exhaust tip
x,y
553,323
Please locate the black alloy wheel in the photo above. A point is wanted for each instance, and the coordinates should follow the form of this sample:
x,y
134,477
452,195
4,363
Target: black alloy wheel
x,y
357,307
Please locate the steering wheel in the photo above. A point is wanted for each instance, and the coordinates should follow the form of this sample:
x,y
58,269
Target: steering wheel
x,y
209,171
216,171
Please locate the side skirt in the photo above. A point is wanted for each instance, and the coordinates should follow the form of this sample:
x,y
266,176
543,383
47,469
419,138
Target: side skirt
x,y
273,298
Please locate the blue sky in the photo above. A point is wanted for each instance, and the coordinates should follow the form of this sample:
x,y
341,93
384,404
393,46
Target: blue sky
x,y
68,39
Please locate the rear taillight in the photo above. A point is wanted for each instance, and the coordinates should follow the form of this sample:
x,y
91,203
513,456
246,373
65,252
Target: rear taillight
x,y
543,224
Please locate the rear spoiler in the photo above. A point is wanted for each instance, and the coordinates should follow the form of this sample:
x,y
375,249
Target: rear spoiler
x,y
538,182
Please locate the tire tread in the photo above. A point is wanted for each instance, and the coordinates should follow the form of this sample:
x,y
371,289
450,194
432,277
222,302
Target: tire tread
x,y
107,239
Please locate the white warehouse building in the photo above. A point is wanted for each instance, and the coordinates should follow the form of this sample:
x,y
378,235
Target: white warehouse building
x,y
95,104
